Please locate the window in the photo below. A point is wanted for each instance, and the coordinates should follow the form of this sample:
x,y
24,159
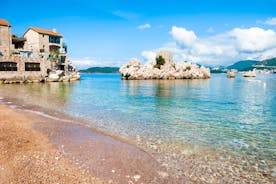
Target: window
x,y
32,66
54,39
8,66
62,59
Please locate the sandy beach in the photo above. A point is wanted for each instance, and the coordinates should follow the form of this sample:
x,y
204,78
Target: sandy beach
x,y
36,149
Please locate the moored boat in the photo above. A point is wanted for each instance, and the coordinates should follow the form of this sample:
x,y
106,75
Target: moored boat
x,y
231,74
250,74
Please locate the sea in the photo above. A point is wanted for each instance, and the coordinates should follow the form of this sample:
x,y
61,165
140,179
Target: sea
x,y
201,128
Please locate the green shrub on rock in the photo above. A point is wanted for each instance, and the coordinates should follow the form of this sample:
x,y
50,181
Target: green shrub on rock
x,y
159,62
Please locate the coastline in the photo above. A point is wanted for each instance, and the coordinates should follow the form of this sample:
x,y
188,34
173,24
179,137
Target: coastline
x,y
184,162
48,150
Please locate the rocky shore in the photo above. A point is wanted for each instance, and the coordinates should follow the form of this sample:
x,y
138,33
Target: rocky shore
x,y
54,76
163,67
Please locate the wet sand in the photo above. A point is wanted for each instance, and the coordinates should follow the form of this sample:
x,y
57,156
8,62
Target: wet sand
x,y
37,149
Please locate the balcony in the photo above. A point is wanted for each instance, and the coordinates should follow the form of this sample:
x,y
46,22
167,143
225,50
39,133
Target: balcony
x,y
55,45
21,52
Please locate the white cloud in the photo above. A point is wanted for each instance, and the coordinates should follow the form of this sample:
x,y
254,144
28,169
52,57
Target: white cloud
x,y
183,36
222,49
254,39
271,21
144,26
149,55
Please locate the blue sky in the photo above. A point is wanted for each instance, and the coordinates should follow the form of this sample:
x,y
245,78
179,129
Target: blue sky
x,y
108,33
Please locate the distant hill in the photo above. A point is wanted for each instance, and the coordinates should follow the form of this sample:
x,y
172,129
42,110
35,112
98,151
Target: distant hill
x,y
101,70
243,65
267,62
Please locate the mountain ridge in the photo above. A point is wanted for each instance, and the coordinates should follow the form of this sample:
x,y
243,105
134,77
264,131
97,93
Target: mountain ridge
x,y
100,70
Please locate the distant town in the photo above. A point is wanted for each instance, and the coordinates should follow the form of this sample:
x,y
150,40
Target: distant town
x,y
264,66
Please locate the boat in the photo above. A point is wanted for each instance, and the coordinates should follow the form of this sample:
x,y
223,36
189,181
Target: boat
x,y
250,74
231,74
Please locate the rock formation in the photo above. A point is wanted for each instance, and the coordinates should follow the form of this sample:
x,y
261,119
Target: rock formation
x,y
163,68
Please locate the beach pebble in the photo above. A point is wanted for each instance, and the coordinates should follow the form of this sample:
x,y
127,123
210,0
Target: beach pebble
x,y
154,147
163,174
138,138
136,177
113,171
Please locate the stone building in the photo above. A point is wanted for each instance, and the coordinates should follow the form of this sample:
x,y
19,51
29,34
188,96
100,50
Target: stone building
x,y
5,38
39,55
44,43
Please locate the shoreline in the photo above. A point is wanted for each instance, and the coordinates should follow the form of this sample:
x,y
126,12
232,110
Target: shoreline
x,y
87,154
27,155
169,164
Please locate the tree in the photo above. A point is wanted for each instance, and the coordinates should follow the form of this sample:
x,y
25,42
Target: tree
x,y
159,61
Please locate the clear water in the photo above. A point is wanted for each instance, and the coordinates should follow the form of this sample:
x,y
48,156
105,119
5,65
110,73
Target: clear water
x,y
219,113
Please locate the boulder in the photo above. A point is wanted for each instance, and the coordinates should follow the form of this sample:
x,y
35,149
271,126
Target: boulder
x,y
75,76
55,76
168,70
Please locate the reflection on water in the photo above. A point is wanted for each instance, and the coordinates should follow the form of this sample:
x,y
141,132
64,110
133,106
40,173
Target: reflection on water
x,y
221,114
49,95
161,88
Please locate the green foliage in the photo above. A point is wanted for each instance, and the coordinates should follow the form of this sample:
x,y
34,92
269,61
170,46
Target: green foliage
x,y
242,65
101,70
54,54
268,62
159,61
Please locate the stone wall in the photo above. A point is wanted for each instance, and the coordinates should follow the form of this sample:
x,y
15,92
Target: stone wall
x,y
32,42
21,75
5,40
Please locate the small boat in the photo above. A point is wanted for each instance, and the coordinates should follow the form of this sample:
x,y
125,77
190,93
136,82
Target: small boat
x,y
250,74
231,74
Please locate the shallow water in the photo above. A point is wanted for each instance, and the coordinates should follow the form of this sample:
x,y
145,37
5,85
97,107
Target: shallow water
x,y
237,116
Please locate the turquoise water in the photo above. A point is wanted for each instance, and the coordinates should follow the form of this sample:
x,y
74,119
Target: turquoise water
x,y
219,113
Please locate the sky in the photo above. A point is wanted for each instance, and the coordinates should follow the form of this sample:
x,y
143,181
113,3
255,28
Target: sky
x,y
109,33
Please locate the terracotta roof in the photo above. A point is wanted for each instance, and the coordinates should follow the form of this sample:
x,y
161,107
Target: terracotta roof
x,y
44,31
4,22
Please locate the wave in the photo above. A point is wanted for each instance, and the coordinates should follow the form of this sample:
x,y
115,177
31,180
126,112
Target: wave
x,y
40,113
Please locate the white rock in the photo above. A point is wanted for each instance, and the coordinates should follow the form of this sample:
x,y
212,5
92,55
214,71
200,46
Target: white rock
x,y
133,70
166,55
